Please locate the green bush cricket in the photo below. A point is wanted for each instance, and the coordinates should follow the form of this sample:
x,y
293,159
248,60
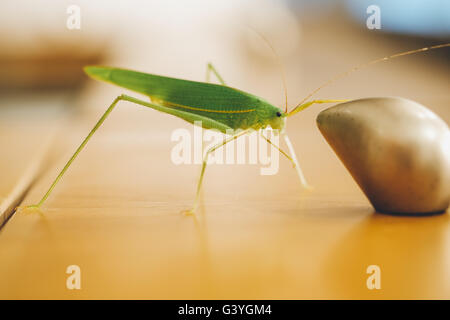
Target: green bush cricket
x,y
216,106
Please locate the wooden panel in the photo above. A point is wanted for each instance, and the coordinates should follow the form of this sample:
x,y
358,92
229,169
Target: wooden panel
x,y
25,142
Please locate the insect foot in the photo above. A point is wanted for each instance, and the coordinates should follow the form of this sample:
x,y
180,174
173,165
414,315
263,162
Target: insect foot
x,y
189,212
29,209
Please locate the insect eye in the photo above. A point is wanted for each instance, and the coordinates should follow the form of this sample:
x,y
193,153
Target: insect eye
x,y
278,114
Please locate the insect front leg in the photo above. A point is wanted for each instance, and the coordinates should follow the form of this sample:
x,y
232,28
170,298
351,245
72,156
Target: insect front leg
x,y
205,162
279,149
301,176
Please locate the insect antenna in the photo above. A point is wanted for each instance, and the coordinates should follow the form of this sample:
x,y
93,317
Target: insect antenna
x,y
279,64
346,73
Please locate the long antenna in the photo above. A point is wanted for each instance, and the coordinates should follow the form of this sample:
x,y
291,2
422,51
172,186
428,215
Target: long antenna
x,y
280,65
346,73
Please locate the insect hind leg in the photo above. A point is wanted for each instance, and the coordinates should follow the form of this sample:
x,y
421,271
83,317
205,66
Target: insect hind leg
x,y
102,119
210,68
74,156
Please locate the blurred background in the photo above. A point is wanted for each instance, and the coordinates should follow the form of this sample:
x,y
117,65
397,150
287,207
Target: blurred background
x,y
47,105
42,54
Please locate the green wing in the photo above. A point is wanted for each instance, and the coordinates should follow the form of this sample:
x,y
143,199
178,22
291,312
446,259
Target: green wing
x,y
229,106
207,123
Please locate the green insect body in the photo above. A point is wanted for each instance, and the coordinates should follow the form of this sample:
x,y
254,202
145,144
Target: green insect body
x,y
233,108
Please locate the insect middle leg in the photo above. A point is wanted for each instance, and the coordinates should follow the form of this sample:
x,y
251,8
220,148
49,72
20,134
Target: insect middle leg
x,y
205,162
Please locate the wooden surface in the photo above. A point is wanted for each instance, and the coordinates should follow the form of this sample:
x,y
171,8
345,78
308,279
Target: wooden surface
x,y
116,213
25,142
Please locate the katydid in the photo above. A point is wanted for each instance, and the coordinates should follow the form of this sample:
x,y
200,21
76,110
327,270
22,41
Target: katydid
x,y
215,106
